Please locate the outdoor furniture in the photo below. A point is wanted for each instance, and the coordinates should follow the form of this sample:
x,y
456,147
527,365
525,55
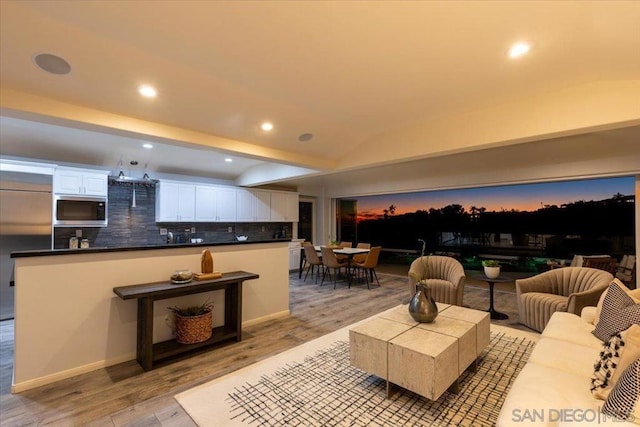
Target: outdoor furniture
x,y
445,276
607,264
567,289
368,267
331,261
626,271
312,258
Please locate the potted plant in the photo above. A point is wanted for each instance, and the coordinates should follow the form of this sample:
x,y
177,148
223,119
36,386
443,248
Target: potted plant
x,y
491,268
194,323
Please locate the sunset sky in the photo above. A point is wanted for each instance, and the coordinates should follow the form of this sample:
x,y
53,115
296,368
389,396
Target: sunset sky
x,y
525,197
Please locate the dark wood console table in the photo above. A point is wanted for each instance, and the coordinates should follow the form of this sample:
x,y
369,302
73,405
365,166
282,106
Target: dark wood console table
x,y
149,354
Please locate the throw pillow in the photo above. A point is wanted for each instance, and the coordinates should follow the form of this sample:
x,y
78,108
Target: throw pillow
x,y
619,312
624,401
605,366
617,354
635,294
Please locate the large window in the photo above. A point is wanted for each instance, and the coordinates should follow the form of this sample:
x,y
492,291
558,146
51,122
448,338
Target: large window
x,y
554,220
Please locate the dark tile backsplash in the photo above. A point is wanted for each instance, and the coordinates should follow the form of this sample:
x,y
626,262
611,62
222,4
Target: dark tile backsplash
x,y
136,226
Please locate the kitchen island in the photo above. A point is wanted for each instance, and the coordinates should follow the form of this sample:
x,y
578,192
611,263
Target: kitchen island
x,y
68,321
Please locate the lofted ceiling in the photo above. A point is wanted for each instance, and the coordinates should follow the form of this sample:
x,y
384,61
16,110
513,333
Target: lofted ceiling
x,y
377,83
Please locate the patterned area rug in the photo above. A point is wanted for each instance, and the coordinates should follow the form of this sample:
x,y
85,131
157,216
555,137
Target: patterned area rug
x,y
314,385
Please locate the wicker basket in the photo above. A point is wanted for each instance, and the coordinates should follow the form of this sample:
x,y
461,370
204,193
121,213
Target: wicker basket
x,y
194,329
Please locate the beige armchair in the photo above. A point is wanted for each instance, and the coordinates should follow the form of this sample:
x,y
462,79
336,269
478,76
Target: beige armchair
x,y
567,289
445,277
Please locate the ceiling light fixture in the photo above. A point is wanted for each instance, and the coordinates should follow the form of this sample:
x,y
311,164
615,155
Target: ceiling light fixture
x,y
305,137
121,173
145,177
52,63
228,160
266,126
519,49
147,145
147,91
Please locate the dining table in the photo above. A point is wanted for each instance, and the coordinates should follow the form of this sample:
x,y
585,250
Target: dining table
x,y
350,253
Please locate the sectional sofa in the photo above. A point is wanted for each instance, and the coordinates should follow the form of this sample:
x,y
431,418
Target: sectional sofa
x,y
554,387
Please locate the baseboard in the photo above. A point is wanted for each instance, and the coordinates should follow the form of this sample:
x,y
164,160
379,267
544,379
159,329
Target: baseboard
x,y
48,379
38,382
273,316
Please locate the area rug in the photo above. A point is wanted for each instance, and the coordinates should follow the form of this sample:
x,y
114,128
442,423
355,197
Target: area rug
x,y
314,385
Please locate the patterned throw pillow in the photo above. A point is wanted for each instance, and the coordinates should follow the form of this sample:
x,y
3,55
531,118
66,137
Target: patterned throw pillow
x,y
623,402
619,312
601,382
617,354
635,294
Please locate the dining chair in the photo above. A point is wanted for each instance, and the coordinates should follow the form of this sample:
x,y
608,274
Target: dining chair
x,y
368,267
359,258
344,245
312,258
331,261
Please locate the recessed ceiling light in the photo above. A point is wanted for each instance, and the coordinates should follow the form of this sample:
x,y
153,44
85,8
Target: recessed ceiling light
x,y
519,49
305,137
147,145
266,126
52,63
228,160
147,91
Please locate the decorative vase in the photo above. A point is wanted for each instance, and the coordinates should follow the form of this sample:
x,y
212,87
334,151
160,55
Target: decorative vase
x,y
492,272
423,307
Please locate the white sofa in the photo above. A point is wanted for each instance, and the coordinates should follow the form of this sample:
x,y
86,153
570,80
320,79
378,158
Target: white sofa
x,y
553,389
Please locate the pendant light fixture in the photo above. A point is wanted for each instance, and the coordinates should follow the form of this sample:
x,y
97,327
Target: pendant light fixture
x,y
121,173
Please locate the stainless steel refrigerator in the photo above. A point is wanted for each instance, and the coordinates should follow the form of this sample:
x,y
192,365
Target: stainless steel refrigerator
x,y
25,224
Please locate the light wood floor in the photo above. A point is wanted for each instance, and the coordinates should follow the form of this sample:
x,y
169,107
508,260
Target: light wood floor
x,y
125,395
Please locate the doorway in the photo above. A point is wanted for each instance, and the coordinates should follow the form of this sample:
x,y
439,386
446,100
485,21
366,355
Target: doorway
x,y
305,220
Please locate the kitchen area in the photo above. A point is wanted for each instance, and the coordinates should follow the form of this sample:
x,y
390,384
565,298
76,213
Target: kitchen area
x,y
70,235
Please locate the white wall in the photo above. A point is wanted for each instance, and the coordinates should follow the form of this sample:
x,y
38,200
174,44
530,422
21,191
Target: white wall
x,y
68,320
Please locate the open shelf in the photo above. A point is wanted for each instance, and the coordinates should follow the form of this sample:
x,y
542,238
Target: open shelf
x,y
171,348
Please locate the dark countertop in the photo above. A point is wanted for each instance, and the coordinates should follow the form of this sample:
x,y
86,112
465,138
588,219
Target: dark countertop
x,y
52,252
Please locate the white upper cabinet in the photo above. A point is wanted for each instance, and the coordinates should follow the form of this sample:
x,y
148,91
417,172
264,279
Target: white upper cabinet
x,y
175,202
284,206
206,202
253,205
263,205
226,204
191,202
80,182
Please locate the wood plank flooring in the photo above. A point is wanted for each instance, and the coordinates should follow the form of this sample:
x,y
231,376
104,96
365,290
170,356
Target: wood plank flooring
x,y
125,395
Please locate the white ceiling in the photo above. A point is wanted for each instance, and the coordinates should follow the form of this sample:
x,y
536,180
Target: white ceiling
x,y
351,73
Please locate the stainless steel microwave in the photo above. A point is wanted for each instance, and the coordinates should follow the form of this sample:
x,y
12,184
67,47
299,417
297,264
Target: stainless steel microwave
x,y
76,211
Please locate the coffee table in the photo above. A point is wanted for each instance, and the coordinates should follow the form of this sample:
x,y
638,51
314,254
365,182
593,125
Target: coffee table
x,y
392,346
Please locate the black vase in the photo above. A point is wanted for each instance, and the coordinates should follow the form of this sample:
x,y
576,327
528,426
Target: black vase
x,y
422,306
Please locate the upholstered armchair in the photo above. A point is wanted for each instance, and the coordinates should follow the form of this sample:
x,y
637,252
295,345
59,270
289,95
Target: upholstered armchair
x,y
445,276
567,289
